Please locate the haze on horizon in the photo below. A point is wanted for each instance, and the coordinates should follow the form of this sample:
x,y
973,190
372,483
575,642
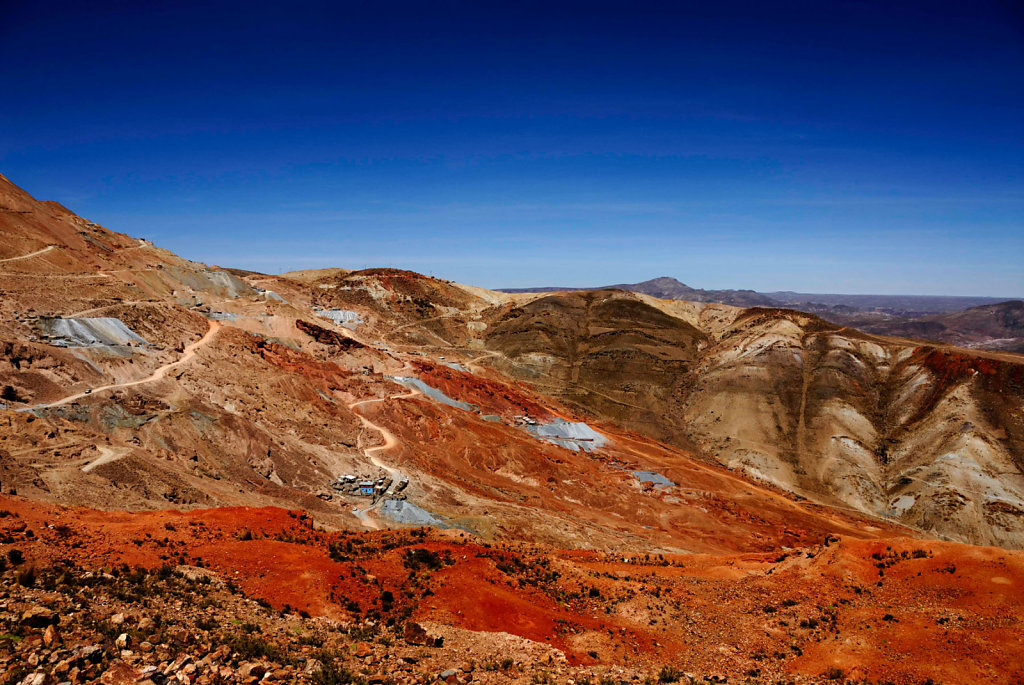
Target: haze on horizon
x,y
813,147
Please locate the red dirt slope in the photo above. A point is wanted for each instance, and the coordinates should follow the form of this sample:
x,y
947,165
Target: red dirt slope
x,y
877,610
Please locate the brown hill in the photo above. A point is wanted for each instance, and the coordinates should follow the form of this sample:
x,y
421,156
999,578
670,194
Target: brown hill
x,y
558,439
994,326
931,437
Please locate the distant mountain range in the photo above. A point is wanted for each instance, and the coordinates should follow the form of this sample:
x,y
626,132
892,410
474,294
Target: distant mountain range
x,y
985,322
668,288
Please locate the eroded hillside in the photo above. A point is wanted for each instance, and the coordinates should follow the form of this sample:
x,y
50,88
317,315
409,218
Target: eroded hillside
x,y
932,437
621,482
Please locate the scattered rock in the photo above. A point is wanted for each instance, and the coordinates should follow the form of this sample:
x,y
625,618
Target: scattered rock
x,y
51,636
38,617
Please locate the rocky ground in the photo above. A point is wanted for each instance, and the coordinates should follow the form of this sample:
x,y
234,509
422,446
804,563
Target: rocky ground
x,y
243,595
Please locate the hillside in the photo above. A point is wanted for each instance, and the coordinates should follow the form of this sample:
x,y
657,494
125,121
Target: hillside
x,y
619,481
977,322
993,326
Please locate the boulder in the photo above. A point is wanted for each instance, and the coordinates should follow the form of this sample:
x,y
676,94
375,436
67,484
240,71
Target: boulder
x,y
119,674
415,634
39,617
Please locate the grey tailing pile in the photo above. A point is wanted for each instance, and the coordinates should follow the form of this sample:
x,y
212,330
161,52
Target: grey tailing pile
x,y
571,435
402,511
342,317
211,281
415,383
89,332
653,477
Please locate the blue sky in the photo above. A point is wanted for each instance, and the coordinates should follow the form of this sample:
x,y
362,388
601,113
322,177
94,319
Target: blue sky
x,y
812,146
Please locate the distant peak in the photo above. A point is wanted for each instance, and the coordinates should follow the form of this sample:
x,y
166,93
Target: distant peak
x,y
664,280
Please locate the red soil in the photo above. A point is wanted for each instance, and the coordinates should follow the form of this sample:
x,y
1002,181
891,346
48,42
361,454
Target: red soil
x,y
879,609
506,399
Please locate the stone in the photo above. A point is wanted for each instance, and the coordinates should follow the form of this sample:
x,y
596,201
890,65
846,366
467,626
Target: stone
x,y
363,650
176,665
51,636
117,619
251,670
39,617
122,641
119,673
146,624
89,653
415,634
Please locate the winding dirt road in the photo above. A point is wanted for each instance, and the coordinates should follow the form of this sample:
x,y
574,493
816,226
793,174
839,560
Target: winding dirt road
x,y
30,255
389,441
107,455
188,353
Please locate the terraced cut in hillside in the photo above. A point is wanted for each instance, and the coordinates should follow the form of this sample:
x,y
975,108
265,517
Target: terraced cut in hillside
x,y
617,484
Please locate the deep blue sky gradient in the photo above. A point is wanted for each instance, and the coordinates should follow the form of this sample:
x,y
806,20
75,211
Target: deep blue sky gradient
x,y
815,146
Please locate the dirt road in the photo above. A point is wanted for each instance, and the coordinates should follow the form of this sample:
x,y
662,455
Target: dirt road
x,y
188,353
389,441
29,255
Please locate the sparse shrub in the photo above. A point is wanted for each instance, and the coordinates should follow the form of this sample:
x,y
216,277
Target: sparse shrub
x,y
25,577
835,673
253,646
330,673
9,394
418,558
206,624
669,674
245,534
15,557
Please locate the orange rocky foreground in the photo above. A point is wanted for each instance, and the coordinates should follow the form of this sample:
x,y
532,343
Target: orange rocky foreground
x,y
863,611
